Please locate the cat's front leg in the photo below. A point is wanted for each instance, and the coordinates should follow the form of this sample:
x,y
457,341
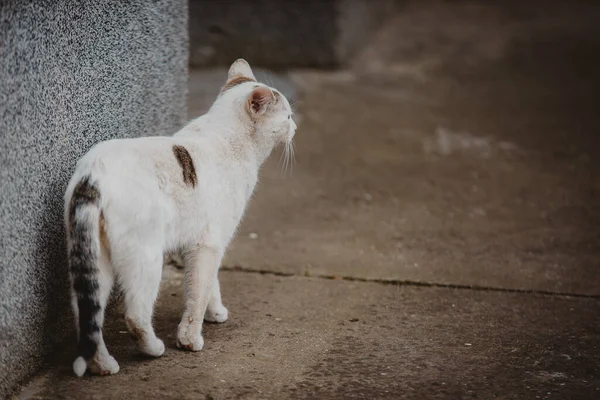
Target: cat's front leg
x,y
201,266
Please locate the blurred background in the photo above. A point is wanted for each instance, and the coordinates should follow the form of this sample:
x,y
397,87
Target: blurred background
x,y
437,237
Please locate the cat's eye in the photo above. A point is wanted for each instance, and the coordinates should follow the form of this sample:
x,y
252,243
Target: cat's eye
x,y
289,116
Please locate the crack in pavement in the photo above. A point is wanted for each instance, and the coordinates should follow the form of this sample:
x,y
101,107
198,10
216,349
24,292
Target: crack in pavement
x,y
408,282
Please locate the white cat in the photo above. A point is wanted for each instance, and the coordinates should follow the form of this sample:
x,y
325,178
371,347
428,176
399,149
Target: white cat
x,y
132,200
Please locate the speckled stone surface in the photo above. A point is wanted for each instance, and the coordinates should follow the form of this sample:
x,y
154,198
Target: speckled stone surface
x,y
72,74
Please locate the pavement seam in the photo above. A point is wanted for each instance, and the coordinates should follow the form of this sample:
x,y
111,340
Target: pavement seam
x,y
408,282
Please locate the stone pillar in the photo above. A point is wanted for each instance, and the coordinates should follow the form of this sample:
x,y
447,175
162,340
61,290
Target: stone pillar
x,y
72,73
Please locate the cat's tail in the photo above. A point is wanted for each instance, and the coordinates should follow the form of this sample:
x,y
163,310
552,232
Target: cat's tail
x,y
84,249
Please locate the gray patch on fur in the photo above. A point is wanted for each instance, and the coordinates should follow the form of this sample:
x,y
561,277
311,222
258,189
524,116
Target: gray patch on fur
x,y
83,260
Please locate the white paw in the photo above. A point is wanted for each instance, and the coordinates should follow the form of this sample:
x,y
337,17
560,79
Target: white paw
x,y
153,348
189,334
216,314
103,365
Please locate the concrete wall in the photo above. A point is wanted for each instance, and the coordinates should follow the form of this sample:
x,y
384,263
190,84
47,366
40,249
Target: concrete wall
x,y
72,73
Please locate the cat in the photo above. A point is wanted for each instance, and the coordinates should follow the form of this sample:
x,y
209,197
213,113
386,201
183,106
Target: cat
x,y
130,201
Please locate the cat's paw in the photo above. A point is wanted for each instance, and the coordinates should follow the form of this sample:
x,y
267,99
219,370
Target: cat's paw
x,y
153,348
189,335
217,314
103,365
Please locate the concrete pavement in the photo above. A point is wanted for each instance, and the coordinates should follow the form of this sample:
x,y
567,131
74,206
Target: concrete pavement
x,y
310,338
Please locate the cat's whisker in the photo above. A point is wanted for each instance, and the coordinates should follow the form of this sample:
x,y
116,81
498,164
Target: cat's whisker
x,y
295,105
293,151
269,78
292,157
281,159
287,156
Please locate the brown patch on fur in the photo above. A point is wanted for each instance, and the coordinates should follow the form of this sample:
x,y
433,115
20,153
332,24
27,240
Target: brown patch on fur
x,y
237,80
136,333
104,242
187,165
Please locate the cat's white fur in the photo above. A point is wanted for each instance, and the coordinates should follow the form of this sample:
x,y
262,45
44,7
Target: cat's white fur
x,y
148,209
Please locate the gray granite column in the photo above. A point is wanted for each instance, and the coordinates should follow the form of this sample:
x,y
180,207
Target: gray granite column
x,y
72,73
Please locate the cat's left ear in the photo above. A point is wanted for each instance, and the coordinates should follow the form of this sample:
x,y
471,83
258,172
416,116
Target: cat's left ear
x,y
240,69
259,100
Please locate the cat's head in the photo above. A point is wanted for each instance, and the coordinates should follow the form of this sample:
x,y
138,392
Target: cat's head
x,y
263,107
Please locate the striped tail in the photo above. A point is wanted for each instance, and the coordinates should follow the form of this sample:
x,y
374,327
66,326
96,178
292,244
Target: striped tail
x,y
84,250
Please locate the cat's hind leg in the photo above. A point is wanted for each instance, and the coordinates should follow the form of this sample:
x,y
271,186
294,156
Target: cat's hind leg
x,y
216,311
140,282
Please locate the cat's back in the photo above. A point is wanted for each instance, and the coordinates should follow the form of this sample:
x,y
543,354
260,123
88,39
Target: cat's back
x,y
121,160
127,149
145,161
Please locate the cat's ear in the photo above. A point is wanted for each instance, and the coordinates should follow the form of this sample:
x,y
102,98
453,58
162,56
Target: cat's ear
x,y
240,69
259,100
